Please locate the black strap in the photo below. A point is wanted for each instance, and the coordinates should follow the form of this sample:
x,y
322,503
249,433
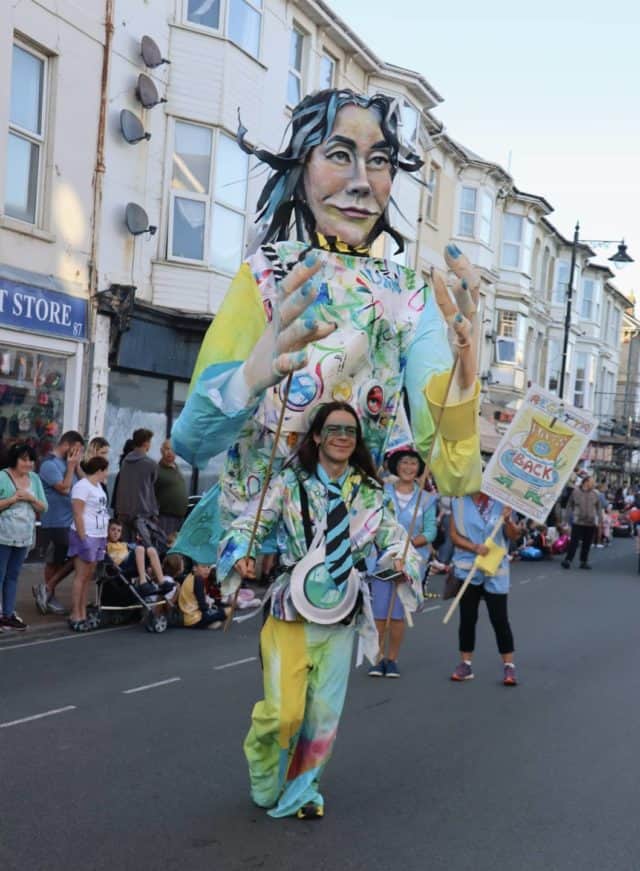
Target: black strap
x,y
306,517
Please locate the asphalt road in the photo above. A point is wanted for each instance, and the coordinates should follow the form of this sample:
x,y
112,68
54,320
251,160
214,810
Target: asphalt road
x,y
426,773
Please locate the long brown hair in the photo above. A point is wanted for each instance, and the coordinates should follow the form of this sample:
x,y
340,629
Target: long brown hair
x,y
360,459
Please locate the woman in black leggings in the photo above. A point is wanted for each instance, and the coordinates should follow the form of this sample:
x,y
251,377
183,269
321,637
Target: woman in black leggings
x,y
473,519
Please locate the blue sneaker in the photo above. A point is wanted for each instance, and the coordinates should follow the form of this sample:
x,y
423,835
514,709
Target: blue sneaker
x,y
378,670
392,669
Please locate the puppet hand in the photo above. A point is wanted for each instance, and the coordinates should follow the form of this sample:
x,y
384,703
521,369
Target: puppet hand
x,y
282,347
460,314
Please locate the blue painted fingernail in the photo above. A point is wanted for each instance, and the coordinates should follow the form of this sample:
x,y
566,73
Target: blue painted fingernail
x,y
453,251
458,318
309,323
465,286
310,259
306,288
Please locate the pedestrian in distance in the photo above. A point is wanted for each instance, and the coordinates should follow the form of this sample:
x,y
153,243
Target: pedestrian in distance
x,y
171,491
407,466
21,500
330,509
136,497
59,472
473,519
87,537
585,508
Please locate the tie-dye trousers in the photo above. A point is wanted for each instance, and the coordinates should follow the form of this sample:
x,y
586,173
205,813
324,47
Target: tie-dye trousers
x,y
306,670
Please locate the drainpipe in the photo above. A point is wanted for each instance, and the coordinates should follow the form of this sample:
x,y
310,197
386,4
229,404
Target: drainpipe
x,y
96,210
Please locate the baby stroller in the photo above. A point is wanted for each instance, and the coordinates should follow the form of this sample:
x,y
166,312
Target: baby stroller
x,y
118,599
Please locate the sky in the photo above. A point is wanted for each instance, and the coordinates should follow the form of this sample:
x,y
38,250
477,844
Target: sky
x,y
549,90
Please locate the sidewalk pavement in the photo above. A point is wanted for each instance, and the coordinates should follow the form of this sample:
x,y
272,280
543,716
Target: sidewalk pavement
x,y
32,574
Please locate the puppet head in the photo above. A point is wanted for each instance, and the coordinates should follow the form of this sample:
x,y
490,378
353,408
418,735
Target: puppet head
x,y
334,177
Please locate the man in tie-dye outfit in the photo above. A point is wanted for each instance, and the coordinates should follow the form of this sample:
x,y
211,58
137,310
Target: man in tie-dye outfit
x,y
306,664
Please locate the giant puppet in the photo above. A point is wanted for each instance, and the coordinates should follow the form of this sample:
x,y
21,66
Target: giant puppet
x,y
352,327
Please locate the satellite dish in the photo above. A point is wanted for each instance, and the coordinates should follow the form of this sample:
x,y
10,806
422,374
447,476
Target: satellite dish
x,y
147,92
131,127
137,220
151,54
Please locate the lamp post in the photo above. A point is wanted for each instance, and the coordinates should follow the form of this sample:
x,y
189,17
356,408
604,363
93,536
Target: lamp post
x,y
620,258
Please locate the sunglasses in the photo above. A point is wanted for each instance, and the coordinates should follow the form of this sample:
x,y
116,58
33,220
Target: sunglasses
x,y
335,429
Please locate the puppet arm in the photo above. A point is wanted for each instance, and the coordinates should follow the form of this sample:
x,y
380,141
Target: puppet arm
x,y
455,463
242,355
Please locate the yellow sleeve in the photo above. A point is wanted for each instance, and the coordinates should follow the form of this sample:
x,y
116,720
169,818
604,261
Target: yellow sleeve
x,y
237,326
456,463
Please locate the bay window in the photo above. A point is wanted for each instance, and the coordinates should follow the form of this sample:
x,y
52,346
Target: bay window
x,y
433,188
328,67
241,20
295,89
468,205
561,285
207,216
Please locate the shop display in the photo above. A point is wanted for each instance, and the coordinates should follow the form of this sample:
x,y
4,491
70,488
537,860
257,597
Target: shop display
x,y
31,398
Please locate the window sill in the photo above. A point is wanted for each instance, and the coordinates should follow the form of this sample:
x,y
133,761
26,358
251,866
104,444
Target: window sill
x,y
199,267
217,34
430,223
7,223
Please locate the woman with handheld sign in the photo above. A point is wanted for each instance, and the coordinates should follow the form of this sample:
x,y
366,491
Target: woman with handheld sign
x,y
407,465
328,510
473,519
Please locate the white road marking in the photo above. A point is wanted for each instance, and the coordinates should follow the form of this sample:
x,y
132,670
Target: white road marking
x,y
73,637
236,662
526,581
37,716
432,608
150,686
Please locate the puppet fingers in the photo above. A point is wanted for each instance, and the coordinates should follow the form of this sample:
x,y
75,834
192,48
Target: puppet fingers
x,y
286,363
301,332
460,265
462,329
443,297
300,274
464,299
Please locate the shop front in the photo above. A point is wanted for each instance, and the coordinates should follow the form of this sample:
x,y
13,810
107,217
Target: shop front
x,y
152,356
43,334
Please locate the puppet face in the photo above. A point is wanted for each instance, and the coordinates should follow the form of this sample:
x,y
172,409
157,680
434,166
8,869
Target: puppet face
x,y
348,178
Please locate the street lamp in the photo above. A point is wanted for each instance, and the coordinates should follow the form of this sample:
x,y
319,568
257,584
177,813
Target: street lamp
x,y
619,259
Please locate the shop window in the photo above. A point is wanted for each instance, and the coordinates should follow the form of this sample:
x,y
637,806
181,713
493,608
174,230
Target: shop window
x,y
134,401
32,389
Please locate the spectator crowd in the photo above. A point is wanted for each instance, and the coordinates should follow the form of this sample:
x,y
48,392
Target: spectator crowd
x,y
134,526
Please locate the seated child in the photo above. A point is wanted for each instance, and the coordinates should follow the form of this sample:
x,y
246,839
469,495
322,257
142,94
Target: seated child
x,y
199,610
131,560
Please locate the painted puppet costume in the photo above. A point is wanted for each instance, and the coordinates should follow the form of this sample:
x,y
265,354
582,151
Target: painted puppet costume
x,y
352,328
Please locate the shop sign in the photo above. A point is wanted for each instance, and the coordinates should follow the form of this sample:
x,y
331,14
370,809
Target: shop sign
x,y
42,311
